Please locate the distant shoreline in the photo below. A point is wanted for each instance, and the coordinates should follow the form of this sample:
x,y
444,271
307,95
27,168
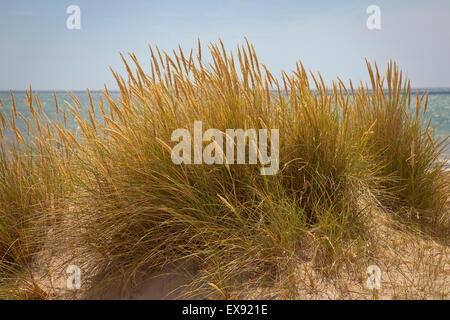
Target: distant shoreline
x,y
413,90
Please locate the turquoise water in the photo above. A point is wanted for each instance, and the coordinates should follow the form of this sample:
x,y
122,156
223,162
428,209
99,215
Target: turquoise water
x,y
438,107
48,105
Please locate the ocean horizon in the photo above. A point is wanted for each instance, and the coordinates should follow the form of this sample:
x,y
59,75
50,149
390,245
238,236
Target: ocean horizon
x,y
430,90
438,106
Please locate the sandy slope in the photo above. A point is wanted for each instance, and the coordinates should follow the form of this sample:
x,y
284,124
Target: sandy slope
x,y
413,266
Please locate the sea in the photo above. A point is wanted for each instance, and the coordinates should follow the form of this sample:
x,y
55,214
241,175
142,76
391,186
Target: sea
x,y
438,107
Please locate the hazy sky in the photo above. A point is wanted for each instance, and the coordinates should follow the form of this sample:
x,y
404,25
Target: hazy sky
x,y
327,36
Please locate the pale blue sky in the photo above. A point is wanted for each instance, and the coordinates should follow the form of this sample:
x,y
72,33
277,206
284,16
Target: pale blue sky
x,y
328,36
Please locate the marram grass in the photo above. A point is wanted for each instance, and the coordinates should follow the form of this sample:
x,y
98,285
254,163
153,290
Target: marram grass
x,y
110,193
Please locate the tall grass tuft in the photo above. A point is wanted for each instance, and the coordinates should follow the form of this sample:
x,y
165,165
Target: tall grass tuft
x,y
404,150
112,196
138,211
33,177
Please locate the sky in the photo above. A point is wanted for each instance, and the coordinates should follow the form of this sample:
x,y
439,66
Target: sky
x,y
329,36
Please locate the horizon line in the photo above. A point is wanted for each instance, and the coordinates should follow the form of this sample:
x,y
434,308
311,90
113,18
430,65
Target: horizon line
x,y
418,89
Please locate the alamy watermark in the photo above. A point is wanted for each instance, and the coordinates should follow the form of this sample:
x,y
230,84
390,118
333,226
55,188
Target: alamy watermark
x,y
214,152
74,279
374,20
373,277
73,22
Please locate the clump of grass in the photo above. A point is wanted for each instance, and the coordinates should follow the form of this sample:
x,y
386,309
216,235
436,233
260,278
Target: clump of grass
x,y
137,211
32,180
132,211
406,155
